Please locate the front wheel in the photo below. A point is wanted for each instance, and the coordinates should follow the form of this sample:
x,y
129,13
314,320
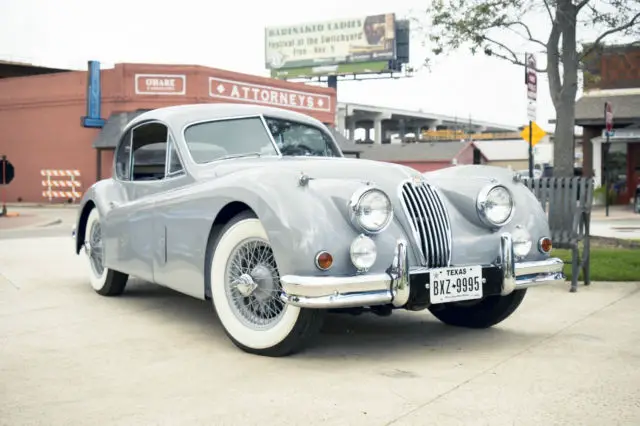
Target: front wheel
x,y
104,281
245,288
483,314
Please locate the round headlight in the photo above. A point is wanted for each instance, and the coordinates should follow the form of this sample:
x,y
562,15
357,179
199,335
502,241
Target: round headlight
x,y
495,205
521,241
371,210
363,252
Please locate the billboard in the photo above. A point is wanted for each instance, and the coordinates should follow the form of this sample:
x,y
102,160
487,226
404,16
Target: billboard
x,y
344,41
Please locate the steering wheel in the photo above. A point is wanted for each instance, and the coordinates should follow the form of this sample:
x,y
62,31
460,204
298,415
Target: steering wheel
x,y
298,149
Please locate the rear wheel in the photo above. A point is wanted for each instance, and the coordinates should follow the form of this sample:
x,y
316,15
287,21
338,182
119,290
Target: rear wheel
x,y
245,288
482,314
104,281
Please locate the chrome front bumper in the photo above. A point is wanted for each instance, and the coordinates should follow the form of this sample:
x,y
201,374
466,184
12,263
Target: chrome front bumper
x,y
393,286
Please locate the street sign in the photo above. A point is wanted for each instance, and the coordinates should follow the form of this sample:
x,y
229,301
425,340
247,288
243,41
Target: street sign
x,y
532,110
536,133
608,116
7,172
531,80
531,77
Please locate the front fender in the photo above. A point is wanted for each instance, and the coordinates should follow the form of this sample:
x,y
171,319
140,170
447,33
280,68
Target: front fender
x,y
473,241
303,219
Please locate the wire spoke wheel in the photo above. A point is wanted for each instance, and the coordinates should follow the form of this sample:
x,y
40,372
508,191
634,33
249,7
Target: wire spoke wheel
x,y
244,280
95,248
105,281
253,284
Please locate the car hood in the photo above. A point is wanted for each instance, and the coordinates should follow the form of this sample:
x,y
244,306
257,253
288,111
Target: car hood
x,y
385,175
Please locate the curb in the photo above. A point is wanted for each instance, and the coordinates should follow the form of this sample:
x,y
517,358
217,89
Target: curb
x,y
41,206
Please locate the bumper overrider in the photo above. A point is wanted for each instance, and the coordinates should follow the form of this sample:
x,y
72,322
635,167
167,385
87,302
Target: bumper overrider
x,y
394,285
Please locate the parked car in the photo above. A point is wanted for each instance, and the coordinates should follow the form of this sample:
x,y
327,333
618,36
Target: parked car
x,y
257,210
636,200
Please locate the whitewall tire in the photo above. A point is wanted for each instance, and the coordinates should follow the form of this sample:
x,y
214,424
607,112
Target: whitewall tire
x,y
245,288
104,281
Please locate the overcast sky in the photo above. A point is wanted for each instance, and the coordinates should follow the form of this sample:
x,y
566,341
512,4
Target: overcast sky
x,y
230,35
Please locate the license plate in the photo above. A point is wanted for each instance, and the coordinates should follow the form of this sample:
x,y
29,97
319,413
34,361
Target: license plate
x,y
455,284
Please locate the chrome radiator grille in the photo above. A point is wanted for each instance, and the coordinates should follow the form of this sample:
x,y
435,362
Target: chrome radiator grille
x,y
429,222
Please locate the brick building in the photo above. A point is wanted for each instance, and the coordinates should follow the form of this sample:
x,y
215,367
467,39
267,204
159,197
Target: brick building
x,y
612,74
42,110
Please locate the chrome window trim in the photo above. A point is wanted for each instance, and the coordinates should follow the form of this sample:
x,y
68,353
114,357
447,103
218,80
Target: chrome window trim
x,y
132,129
171,147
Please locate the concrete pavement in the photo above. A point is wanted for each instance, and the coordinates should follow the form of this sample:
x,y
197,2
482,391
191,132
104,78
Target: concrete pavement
x,y
154,357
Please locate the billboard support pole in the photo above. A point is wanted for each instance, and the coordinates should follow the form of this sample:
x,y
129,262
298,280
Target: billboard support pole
x,y
332,82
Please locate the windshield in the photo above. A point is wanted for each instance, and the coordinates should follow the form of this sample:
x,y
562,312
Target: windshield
x,y
233,138
295,138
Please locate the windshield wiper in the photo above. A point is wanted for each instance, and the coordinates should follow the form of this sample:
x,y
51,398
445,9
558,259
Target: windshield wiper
x,y
246,154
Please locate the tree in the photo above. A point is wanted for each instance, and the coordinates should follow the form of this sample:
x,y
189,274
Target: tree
x,y
493,26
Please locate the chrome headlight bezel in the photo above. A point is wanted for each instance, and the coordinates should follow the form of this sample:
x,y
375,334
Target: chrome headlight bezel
x,y
355,204
482,205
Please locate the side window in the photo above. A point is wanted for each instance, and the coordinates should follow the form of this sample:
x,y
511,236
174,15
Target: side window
x,y
123,152
149,146
175,165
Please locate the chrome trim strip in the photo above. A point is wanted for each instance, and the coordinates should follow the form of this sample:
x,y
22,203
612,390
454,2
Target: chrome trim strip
x,y
447,219
429,221
414,231
399,272
334,301
551,265
507,261
314,286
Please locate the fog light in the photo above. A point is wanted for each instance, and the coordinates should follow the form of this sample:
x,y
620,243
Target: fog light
x,y
521,241
324,260
363,252
545,245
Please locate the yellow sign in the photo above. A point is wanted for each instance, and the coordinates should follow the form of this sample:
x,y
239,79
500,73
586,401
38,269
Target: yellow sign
x,y
536,133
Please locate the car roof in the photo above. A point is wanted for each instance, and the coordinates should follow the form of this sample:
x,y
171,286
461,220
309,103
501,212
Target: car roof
x,y
181,115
